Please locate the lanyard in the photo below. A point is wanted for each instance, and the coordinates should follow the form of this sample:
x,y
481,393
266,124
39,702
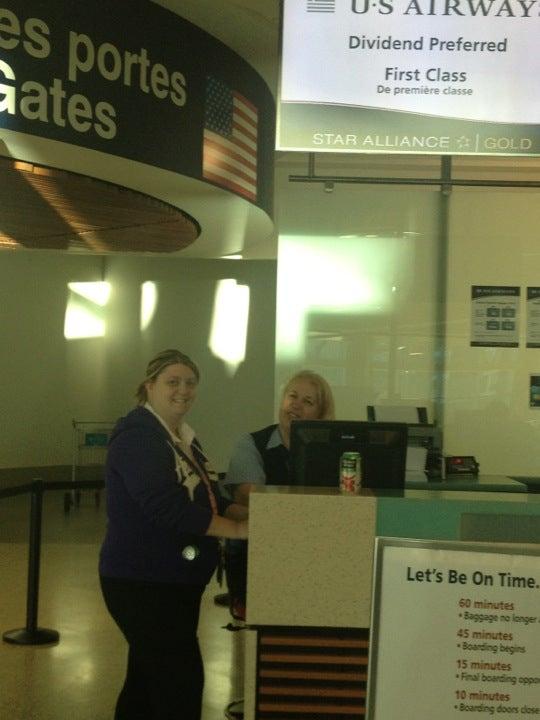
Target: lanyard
x,y
200,470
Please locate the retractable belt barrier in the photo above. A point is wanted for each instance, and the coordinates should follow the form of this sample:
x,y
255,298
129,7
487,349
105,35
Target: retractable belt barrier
x,y
31,634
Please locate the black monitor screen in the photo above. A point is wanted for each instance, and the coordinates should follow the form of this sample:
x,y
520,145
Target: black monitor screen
x,y
317,446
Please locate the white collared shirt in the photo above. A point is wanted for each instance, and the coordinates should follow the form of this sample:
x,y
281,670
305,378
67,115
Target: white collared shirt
x,y
186,434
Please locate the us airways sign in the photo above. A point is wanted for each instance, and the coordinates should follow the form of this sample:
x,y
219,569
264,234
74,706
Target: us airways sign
x,y
129,78
445,8
451,8
459,76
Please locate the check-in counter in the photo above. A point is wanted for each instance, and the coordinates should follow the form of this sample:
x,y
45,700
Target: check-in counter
x,y
310,574
464,481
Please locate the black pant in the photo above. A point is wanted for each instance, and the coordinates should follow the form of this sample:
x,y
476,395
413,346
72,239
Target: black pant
x,y
165,676
236,575
236,569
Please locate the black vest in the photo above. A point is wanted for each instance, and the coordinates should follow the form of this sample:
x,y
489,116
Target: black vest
x,y
275,460
276,468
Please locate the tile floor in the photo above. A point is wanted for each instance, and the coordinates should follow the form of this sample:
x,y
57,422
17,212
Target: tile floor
x,y
78,678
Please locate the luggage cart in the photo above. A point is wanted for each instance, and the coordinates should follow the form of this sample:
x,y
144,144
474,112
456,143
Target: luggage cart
x,y
90,440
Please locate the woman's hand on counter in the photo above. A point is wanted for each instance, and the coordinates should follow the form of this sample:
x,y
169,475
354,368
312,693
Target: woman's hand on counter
x,y
241,493
242,530
235,511
226,528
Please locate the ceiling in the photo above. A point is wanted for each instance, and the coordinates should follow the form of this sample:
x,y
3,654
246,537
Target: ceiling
x,y
252,29
249,27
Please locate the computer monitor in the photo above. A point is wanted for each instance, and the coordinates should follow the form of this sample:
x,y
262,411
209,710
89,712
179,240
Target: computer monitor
x,y
316,448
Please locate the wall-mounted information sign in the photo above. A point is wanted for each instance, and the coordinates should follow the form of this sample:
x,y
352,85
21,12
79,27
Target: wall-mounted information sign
x,y
455,631
495,316
410,76
533,317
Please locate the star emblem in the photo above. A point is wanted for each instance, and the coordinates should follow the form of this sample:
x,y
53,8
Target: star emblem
x,y
463,142
190,483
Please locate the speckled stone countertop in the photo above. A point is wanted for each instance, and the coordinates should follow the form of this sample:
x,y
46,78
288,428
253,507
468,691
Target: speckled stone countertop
x,y
310,557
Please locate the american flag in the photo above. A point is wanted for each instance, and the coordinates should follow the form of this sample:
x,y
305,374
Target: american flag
x,y
230,139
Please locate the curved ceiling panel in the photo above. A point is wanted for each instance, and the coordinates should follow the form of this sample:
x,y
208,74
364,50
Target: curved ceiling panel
x,y
44,208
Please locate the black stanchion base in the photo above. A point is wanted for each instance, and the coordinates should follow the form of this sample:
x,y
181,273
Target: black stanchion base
x,y
39,636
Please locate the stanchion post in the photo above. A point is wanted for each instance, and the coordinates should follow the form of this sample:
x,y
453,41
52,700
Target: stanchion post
x,y
32,634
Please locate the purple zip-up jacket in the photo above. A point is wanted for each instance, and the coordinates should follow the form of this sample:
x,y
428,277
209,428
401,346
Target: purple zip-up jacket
x,y
151,517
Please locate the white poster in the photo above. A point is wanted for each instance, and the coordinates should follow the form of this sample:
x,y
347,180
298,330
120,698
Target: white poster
x,y
495,316
533,317
374,68
455,631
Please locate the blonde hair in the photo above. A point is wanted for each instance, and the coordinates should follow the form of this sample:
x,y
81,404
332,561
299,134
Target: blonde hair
x,y
325,398
158,364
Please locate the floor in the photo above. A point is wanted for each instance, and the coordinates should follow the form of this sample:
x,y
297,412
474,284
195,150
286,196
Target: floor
x,y
79,677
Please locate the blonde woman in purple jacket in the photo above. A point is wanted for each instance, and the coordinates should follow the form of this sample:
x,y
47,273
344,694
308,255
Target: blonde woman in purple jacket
x,y
165,515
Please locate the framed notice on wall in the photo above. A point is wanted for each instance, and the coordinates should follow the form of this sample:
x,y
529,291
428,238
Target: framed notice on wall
x,y
410,76
495,316
455,631
533,317
534,390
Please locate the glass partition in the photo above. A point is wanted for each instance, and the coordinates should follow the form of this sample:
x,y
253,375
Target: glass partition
x,y
374,292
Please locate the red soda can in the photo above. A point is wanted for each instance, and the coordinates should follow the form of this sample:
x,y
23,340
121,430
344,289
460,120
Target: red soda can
x,y
350,472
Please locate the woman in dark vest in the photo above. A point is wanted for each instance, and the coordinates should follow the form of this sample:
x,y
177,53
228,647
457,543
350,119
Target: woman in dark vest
x,y
262,458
